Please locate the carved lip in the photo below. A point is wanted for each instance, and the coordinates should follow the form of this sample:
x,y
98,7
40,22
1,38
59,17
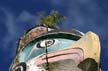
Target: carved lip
x,y
75,54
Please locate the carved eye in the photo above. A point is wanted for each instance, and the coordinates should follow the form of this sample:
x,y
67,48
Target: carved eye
x,y
20,67
44,43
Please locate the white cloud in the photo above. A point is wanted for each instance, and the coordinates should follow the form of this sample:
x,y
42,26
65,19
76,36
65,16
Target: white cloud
x,y
14,30
25,16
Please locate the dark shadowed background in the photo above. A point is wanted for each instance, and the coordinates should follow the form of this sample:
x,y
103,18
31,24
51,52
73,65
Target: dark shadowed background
x,y
16,16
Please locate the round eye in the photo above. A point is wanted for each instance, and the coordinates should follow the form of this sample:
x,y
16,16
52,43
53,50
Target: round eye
x,y
46,43
20,67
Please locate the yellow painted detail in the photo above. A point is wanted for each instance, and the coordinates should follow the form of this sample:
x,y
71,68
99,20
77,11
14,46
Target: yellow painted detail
x,y
90,44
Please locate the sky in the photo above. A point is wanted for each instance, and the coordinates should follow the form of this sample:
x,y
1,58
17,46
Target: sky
x,y
16,16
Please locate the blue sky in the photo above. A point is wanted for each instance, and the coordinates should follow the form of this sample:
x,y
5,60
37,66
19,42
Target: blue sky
x,y
16,16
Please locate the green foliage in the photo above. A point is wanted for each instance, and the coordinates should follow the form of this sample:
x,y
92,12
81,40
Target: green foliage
x,y
51,20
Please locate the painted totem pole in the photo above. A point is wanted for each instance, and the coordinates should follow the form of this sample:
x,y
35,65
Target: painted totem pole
x,y
47,48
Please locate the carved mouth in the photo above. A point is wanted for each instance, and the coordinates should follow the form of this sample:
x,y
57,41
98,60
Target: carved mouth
x,y
58,55
63,65
74,54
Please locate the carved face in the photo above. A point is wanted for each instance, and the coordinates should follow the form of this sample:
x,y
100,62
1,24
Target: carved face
x,y
34,53
65,52
58,49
